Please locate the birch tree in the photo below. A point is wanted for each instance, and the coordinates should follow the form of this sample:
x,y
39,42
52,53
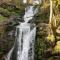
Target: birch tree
x,y
51,11
51,36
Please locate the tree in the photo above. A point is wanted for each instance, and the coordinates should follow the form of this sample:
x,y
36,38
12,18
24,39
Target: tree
x,y
51,11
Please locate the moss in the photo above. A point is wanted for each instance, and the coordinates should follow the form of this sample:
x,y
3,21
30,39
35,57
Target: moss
x,y
2,18
51,38
1,51
4,12
40,44
51,58
12,9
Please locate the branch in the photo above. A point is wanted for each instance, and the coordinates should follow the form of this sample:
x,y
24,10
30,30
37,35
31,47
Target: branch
x,y
51,12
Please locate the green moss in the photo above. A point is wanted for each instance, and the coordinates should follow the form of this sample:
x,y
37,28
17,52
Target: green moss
x,y
40,46
2,18
4,12
51,58
8,10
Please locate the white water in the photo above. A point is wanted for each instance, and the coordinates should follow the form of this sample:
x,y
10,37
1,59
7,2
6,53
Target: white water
x,y
29,13
25,37
26,48
28,37
35,2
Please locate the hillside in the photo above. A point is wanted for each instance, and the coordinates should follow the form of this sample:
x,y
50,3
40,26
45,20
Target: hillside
x,y
47,20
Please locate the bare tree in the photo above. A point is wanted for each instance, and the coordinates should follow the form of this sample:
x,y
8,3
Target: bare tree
x,y
50,18
51,11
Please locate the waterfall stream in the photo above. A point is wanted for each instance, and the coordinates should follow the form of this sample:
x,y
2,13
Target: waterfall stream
x,y
26,42
23,48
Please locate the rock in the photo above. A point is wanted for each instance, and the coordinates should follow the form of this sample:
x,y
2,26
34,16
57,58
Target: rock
x,y
58,30
58,37
57,47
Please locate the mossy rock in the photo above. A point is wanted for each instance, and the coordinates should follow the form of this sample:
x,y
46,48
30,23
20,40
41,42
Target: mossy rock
x,y
2,18
51,38
57,47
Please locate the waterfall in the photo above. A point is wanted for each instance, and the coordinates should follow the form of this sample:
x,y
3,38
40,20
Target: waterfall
x,y
26,36
23,48
26,42
33,2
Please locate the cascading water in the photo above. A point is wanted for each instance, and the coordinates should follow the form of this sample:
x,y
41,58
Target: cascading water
x,y
23,48
26,36
26,42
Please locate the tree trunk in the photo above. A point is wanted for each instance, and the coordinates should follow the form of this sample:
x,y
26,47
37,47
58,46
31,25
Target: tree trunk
x,y
51,12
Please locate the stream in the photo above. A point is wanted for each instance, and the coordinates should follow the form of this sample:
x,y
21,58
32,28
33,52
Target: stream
x,y
23,48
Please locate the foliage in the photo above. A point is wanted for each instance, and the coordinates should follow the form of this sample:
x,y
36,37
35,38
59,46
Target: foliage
x,y
4,12
57,47
55,22
7,13
40,47
17,8
51,38
1,51
11,9
2,18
